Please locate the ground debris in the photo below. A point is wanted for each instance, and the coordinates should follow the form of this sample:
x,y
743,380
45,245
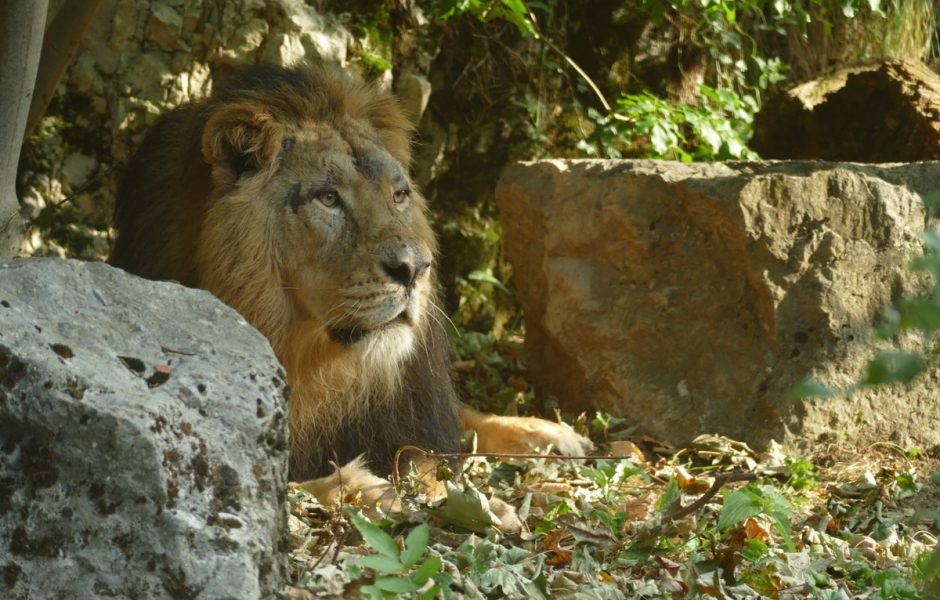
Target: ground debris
x,y
777,527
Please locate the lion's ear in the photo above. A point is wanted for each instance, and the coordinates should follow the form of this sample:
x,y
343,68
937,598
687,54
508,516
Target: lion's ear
x,y
239,140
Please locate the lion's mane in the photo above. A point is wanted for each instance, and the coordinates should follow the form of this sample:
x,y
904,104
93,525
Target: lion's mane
x,y
197,205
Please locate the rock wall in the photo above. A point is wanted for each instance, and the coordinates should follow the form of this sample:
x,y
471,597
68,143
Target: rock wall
x,y
692,298
144,440
137,60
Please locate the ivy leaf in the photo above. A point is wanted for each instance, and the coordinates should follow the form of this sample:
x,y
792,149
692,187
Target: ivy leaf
x,y
669,496
377,539
660,140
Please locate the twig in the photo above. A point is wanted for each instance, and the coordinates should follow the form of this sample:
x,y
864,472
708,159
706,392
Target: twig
x,y
581,72
396,479
720,481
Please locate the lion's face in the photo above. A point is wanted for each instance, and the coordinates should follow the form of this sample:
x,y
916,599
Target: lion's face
x,y
337,225
356,243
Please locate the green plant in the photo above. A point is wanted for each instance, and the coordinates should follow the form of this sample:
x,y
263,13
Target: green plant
x,y
514,11
397,570
753,500
802,473
715,129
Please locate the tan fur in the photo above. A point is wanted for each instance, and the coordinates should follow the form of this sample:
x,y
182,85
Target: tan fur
x,y
231,195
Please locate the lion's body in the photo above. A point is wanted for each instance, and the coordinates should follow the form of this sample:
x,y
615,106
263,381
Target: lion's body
x,y
285,194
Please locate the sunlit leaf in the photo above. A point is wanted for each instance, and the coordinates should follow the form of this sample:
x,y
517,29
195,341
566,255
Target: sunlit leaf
x,y
487,277
398,585
466,507
377,539
382,564
738,506
428,569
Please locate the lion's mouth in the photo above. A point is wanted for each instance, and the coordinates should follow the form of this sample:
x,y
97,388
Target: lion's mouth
x,y
352,335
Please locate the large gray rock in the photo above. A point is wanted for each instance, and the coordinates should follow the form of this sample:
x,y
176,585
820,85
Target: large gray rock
x,y
144,440
692,298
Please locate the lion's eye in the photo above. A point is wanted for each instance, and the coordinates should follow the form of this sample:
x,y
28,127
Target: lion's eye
x,y
328,198
401,195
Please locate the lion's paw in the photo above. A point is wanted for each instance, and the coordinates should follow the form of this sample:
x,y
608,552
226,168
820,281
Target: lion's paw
x,y
521,435
378,496
561,437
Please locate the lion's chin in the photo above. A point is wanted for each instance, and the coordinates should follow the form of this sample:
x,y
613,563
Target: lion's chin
x,y
349,336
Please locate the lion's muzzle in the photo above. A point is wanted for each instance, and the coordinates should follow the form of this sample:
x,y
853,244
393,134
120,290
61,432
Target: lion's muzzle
x,y
403,263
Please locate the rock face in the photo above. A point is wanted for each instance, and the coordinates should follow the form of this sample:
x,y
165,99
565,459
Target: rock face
x,y
691,298
144,440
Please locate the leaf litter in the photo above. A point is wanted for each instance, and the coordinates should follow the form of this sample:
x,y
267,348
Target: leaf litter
x,y
713,520
776,527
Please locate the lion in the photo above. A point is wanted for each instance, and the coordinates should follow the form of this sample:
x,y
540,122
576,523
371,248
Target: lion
x,y
286,194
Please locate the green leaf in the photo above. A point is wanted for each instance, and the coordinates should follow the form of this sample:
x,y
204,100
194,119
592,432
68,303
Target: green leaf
x,y
382,564
430,593
487,277
783,526
893,367
931,239
811,388
660,140
671,493
377,539
923,315
739,505
466,507
427,570
370,591
931,198
398,585
415,545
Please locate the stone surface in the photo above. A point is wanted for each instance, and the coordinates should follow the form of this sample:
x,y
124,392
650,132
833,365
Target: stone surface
x,y
879,111
144,440
691,298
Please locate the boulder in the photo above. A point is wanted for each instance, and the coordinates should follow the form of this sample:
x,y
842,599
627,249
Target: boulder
x,y
144,439
879,111
691,298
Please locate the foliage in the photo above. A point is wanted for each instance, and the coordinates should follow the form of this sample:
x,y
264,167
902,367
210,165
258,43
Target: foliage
x,y
514,11
397,571
715,129
598,530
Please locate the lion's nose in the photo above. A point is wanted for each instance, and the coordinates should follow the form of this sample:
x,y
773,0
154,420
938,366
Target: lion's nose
x,y
403,263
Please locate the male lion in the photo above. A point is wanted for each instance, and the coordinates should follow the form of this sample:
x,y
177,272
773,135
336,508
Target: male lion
x,y
286,194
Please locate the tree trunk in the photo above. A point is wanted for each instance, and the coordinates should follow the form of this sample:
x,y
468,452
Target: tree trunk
x,y
58,48
21,28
